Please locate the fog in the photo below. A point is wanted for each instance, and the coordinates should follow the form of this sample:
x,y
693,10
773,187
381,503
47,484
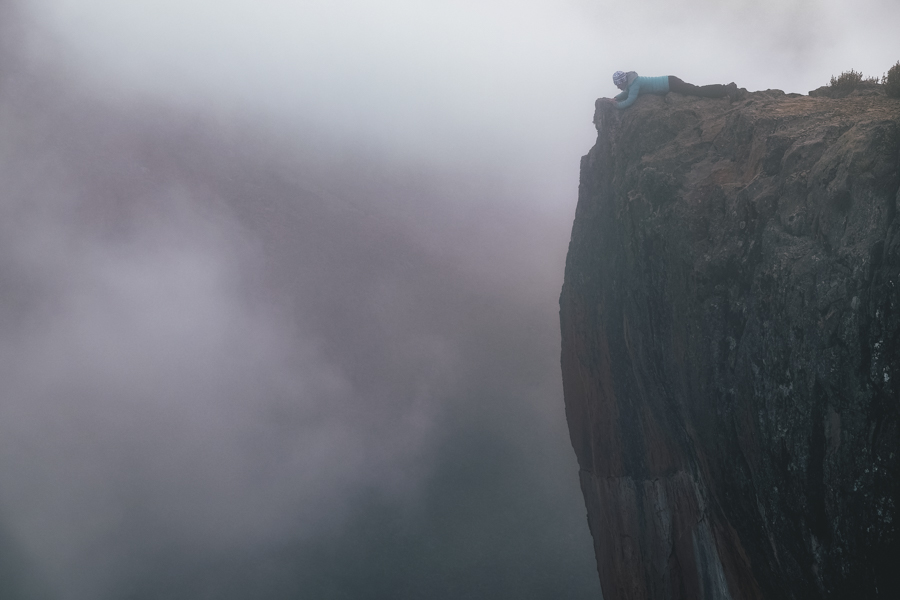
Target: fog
x,y
279,281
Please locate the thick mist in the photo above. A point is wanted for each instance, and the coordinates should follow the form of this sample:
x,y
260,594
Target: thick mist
x,y
239,365
279,281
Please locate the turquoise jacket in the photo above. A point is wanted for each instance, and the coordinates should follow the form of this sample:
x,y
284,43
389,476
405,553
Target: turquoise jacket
x,y
642,85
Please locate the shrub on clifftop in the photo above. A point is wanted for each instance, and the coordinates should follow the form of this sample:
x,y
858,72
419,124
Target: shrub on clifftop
x,y
892,81
848,80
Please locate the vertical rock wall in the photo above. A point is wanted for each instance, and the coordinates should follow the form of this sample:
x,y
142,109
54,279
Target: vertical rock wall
x,y
731,347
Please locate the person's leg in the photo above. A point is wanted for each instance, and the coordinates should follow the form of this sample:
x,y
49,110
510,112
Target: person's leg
x,y
715,90
678,86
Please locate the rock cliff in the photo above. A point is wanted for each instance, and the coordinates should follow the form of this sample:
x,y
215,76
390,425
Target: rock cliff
x,y
731,346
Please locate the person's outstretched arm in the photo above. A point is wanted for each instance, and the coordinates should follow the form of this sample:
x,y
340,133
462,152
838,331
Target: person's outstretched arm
x,y
633,91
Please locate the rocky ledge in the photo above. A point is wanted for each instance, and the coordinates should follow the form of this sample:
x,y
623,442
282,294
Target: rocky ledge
x,y
731,346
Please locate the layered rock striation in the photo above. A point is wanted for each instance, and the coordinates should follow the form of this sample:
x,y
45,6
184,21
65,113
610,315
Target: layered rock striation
x,y
731,346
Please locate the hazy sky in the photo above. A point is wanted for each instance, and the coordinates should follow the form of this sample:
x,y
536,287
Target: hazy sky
x,y
279,281
464,78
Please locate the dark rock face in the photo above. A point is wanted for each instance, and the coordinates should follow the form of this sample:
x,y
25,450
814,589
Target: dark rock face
x,y
731,347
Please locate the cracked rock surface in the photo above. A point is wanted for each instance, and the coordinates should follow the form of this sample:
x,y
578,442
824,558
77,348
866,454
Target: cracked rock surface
x,y
731,346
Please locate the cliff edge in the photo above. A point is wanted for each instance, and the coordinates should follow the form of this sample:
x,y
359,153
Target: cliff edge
x,y
731,346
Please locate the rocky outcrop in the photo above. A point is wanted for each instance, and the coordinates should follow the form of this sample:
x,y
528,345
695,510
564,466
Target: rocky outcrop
x,y
731,346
